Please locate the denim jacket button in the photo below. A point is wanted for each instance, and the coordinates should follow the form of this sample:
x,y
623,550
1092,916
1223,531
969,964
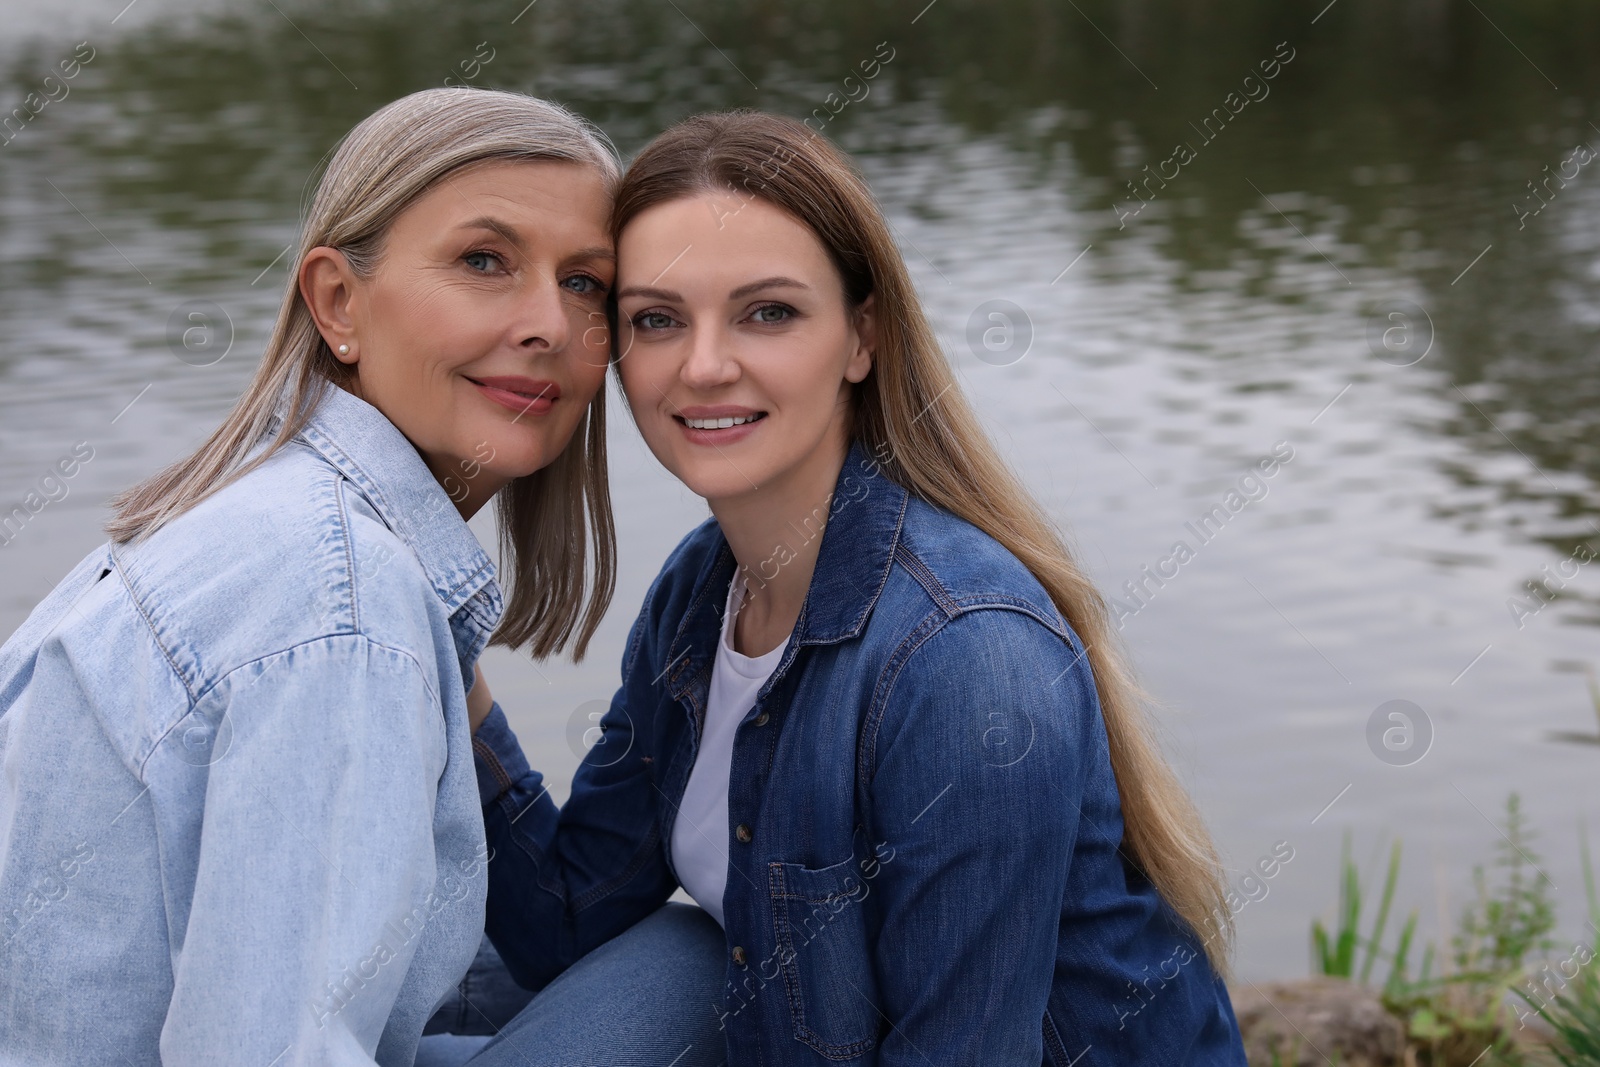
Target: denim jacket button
x,y
761,720
742,832
738,955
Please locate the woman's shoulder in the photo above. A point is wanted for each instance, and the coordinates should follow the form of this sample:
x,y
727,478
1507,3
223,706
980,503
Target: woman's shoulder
x,y
961,569
976,659
281,556
269,520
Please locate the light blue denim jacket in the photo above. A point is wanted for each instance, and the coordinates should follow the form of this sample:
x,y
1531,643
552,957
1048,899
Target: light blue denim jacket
x,y
238,817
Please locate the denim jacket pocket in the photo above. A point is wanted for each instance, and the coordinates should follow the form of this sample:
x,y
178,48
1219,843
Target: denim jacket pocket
x,y
820,924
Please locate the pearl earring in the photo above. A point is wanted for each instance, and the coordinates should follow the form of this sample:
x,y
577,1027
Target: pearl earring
x,y
344,350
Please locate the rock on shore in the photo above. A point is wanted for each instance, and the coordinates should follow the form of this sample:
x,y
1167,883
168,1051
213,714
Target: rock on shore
x,y
1313,1021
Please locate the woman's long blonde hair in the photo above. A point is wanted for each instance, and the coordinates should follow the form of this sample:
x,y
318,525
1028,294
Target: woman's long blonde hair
x,y
549,520
910,410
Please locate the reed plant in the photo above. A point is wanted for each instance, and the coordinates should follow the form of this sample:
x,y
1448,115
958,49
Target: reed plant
x,y
1461,1015
1572,1013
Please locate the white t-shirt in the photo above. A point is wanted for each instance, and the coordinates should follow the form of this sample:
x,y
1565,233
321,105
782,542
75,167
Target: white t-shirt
x,y
700,834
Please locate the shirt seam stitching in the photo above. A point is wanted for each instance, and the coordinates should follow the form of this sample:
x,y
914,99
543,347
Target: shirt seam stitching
x,y
400,652
487,753
369,487
155,635
349,554
929,625
596,893
866,769
924,576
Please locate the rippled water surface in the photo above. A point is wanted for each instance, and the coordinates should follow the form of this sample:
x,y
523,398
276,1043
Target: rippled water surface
x,y
1348,265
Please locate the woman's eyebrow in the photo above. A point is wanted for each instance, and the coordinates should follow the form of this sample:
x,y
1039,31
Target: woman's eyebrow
x,y
504,229
652,293
776,282
512,237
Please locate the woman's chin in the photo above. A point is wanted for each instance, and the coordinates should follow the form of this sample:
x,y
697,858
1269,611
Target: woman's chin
x,y
498,468
714,480
519,452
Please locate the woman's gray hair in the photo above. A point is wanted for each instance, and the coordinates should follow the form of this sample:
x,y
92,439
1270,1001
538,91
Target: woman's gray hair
x,y
402,149
379,169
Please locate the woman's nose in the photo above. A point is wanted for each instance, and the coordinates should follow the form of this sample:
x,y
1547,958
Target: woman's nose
x,y
542,321
709,361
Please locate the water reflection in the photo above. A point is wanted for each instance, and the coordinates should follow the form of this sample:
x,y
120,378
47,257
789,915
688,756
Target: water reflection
x,y
1396,139
1384,165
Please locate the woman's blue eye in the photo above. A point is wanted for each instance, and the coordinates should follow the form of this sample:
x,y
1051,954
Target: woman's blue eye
x,y
653,320
772,313
584,284
473,260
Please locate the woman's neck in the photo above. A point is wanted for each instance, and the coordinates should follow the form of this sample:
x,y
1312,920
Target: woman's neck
x,y
775,533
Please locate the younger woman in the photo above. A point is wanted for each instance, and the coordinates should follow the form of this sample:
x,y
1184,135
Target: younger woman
x,y
872,716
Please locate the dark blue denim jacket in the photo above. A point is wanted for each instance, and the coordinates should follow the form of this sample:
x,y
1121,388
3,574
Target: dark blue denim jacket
x,y
923,820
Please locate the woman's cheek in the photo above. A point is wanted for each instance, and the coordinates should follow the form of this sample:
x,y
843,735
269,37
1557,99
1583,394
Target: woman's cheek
x,y
638,370
590,374
595,340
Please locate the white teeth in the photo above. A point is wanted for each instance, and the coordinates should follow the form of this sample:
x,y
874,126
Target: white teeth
x,y
719,424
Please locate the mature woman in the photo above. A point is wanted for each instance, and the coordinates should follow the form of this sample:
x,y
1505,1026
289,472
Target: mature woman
x,y
238,817
872,717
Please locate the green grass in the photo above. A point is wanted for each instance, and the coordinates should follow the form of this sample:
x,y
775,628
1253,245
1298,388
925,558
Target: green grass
x,y
1573,1015
1336,954
1461,1017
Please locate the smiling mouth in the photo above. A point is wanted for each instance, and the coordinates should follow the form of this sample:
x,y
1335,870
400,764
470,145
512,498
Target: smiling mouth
x,y
721,424
542,393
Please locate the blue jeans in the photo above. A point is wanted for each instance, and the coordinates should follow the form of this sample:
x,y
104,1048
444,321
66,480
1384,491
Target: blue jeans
x,y
647,998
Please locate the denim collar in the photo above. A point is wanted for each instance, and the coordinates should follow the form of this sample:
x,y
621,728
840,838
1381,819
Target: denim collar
x,y
865,515
377,458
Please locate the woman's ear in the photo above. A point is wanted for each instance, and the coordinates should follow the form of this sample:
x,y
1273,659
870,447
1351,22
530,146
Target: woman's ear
x,y
327,285
866,340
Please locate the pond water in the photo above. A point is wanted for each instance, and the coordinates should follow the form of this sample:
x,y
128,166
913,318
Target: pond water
x,y
1382,261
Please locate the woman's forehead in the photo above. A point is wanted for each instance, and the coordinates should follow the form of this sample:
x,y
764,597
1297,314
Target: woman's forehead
x,y
715,235
518,199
